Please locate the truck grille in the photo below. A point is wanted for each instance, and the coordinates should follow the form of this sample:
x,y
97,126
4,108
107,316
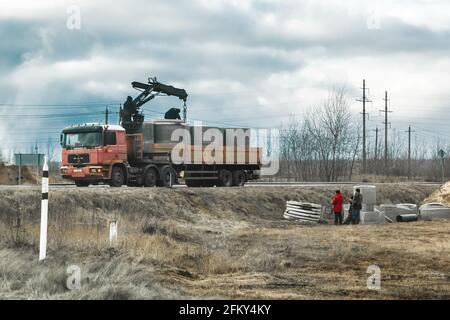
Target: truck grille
x,y
78,158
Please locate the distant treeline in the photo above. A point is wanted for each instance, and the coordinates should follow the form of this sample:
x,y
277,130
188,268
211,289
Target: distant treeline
x,y
326,145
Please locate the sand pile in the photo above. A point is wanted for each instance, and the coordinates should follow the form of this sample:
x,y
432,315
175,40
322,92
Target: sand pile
x,y
441,195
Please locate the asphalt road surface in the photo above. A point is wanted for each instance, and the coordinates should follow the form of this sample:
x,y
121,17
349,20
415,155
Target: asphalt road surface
x,y
250,184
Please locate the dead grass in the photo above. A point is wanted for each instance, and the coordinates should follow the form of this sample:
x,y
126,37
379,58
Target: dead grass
x,y
212,243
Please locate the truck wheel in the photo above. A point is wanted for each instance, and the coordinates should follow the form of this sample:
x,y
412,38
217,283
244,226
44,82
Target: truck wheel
x,y
150,177
82,183
238,178
117,177
139,181
225,178
168,177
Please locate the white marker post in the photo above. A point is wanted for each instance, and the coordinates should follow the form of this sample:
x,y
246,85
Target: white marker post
x,y
112,233
44,213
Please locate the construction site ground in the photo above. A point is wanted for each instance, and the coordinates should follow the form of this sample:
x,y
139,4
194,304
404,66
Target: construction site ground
x,y
207,243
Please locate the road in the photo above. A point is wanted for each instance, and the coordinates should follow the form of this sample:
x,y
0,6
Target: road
x,y
248,185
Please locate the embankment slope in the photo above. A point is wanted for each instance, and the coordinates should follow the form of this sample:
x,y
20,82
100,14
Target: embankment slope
x,y
214,242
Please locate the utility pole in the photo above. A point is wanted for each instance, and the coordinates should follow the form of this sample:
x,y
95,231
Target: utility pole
x,y
106,115
376,151
442,155
364,100
386,111
37,164
20,168
409,152
376,144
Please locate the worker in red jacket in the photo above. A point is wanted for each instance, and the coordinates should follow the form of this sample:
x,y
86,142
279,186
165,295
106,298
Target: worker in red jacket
x,y
337,202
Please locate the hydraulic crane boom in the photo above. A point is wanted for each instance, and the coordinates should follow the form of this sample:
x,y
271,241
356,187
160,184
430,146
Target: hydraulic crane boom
x,y
155,86
131,118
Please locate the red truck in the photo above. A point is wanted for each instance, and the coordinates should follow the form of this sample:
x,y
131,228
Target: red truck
x,y
140,153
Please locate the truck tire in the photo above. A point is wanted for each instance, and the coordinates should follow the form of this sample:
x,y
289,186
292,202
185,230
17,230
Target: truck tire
x,y
238,178
81,183
150,177
117,177
139,181
225,178
168,176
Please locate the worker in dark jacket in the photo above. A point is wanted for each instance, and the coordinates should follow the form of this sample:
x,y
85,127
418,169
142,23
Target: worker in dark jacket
x,y
173,113
357,206
348,220
129,109
337,202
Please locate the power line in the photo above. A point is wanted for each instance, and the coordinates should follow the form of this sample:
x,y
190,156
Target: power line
x,y
85,104
55,115
210,121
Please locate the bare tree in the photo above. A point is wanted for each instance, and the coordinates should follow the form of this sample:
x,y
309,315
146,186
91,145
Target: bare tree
x,y
330,125
50,150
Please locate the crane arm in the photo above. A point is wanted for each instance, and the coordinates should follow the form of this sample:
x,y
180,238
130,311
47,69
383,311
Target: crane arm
x,y
157,87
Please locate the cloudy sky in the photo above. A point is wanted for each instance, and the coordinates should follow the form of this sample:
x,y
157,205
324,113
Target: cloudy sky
x,y
243,62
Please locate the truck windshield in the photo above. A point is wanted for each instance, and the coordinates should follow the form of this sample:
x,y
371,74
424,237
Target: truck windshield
x,y
82,139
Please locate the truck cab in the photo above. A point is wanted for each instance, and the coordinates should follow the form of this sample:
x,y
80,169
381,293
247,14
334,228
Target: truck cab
x,y
93,153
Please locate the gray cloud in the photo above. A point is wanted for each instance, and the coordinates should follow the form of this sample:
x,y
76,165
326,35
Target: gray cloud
x,y
270,56
17,39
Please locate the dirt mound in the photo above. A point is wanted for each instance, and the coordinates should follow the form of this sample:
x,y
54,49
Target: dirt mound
x,y
9,175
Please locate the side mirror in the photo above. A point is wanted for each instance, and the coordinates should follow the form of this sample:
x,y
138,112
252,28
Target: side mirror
x,y
61,139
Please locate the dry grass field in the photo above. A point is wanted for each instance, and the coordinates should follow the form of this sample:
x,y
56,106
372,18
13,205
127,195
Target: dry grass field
x,y
214,243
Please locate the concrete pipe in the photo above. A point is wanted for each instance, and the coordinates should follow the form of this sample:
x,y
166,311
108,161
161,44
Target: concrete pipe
x,y
407,217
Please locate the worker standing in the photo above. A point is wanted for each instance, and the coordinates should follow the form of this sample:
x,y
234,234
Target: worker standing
x,y
348,220
357,206
129,109
337,202
173,113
